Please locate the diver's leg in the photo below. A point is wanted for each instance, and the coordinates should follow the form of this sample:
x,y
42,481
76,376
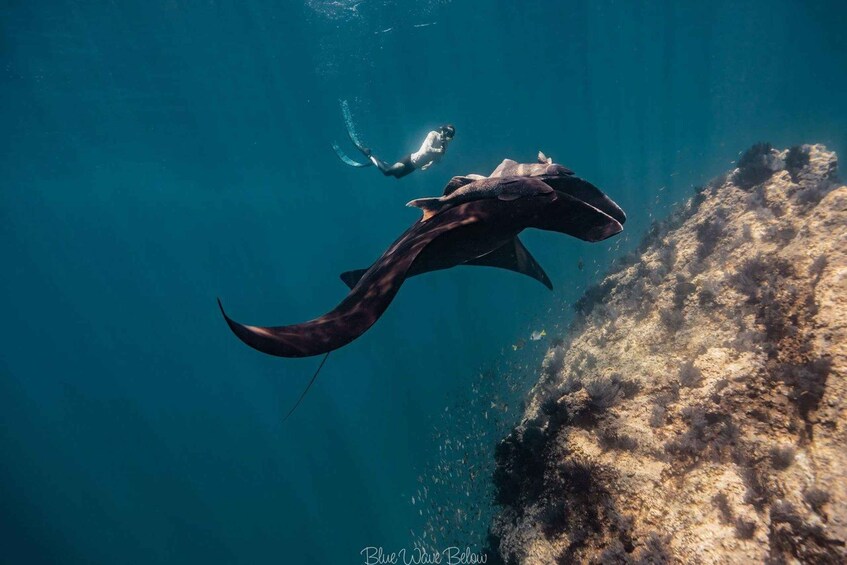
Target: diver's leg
x,y
380,164
395,170
402,169
399,169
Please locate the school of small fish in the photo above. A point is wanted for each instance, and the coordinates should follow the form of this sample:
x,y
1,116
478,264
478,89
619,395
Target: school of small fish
x,y
455,492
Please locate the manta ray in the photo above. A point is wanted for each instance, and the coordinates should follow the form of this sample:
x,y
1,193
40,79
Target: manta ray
x,y
476,221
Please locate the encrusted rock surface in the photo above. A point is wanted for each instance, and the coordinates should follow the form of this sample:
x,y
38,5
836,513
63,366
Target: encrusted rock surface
x,y
696,411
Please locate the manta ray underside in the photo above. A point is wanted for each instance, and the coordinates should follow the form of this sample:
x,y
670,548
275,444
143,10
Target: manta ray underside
x,y
475,222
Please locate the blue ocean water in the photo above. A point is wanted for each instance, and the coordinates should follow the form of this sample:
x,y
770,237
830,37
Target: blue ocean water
x,y
158,154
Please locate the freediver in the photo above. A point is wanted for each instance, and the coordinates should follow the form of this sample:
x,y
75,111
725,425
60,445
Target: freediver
x,y
431,151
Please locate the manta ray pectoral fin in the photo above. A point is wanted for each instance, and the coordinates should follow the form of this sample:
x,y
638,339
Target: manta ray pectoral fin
x,y
351,278
237,328
366,302
430,206
513,256
246,334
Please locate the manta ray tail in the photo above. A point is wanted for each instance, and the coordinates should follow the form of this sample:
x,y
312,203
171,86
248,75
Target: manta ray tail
x,y
430,206
308,386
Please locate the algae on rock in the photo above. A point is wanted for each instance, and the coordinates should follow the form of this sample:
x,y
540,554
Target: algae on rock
x,y
696,412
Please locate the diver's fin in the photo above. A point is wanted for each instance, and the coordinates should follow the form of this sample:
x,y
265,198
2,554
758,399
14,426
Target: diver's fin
x,y
354,139
351,126
351,278
544,159
347,160
459,182
514,257
430,206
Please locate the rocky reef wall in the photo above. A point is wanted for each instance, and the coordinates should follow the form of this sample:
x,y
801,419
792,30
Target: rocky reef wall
x,y
696,411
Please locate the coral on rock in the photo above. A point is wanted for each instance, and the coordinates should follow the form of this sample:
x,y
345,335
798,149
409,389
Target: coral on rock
x,y
696,411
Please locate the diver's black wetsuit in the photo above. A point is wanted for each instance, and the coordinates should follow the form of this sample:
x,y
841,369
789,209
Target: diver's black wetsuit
x,y
430,152
397,170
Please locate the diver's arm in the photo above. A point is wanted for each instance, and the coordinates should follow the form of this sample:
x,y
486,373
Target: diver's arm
x,y
430,142
435,158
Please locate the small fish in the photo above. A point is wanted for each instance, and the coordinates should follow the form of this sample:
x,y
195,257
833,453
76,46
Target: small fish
x,y
580,265
518,345
537,335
